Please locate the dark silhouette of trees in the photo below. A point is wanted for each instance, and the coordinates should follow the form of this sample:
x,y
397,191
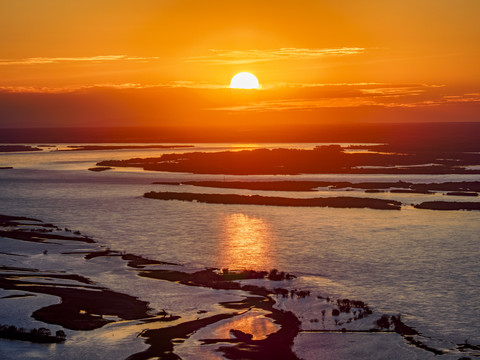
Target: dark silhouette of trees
x,y
40,335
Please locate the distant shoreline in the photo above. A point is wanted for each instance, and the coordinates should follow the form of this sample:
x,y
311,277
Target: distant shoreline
x,y
324,159
464,188
121,147
432,133
232,199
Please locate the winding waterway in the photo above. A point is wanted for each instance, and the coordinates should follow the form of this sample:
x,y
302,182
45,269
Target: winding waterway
x,y
422,264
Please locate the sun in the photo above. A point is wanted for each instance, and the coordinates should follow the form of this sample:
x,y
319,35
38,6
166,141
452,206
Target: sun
x,y
244,80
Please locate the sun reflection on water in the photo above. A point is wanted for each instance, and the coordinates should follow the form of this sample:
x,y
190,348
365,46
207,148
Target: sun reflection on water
x,y
252,322
247,243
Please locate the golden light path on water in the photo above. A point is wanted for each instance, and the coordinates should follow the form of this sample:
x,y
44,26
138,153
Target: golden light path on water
x,y
252,322
247,243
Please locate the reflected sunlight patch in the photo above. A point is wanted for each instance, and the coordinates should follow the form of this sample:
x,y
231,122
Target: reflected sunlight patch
x,y
247,243
253,322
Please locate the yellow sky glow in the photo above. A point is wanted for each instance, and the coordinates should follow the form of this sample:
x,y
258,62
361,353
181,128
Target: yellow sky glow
x,y
162,57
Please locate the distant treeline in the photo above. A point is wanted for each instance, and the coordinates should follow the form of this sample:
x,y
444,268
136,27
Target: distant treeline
x,y
40,335
432,135
335,202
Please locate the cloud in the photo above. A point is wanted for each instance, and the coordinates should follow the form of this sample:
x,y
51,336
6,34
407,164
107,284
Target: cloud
x,y
35,90
377,98
467,98
379,89
84,59
194,85
122,86
393,91
299,104
233,57
63,90
309,97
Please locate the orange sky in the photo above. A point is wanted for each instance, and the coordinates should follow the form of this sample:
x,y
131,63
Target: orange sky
x,y
161,62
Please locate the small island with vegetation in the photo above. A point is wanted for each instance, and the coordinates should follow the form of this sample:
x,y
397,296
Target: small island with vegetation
x,y
462,188
40,335
327,159
99,168
336,202
18,148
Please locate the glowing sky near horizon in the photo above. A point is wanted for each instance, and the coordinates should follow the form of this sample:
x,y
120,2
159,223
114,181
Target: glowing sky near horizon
x,y
154,62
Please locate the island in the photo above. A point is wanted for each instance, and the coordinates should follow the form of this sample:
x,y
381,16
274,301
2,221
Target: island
x,y
18,148
461,188
326,159
121,147
448,205
100,168
335,202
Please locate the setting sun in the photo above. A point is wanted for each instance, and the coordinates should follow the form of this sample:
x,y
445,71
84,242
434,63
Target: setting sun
x,y
244,80
246,219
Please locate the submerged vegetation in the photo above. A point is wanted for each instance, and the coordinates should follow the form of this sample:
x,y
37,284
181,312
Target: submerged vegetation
x,y
86,306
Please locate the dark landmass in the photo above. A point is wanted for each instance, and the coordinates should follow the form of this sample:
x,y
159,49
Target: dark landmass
x,y
41,335
94,305
18,148
134,261
28,229
448,205
36,236
86,306
472,349
6,167
121,147
419,187
254,185
408,333
404,191
329,159
462,193
422,147
161,341
336,202
100,168
7,220
459,136
26,273
464,187
218,280
419,344
276,346
83,305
